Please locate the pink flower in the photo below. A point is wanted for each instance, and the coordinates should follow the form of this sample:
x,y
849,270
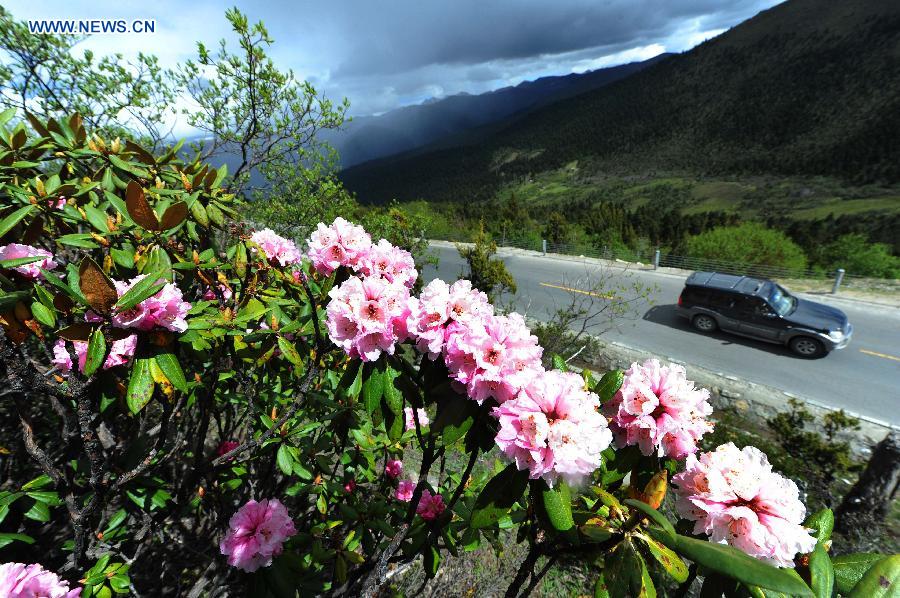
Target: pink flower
x,y
735,498
32,270
256,534
224,291
389,262
411,420
276,248
430,506
226,446
428,315
405,490
120,353
341,244
350,486
494,356
57,204
18,580
165,309
552,428
659,410
393,468
367,316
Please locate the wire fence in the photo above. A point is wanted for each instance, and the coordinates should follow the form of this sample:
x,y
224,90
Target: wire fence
x,y
649,258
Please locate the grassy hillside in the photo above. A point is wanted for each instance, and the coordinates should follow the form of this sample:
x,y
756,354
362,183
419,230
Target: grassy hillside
x,y
807,88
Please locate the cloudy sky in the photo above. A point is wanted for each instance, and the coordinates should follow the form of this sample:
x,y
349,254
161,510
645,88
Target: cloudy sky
x,y
387,53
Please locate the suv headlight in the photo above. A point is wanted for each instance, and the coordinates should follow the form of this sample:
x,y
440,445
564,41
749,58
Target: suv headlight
x,y
835,335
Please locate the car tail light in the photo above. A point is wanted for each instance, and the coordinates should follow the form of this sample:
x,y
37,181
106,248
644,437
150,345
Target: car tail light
x,y
679,300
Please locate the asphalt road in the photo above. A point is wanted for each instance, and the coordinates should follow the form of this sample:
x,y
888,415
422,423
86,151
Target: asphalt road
x,y
863,378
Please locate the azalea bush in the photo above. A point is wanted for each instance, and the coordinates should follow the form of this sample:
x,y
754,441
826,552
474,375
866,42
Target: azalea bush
x,y
195,407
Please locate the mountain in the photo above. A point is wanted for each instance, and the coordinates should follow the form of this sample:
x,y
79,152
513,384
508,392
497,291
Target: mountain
x,y
368,137
808,87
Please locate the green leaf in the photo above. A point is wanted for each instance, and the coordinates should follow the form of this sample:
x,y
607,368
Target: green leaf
x,y
454,417
618,463
140,386
39,511
97,218
43,315
351,380
733,563
199,213
96,353
84,241
146,287
600,588
290,351
559,363
170,366
7,538
558,505
392,395
431,560
284,459
654,515
498,496
821,572
823,522
37,483
880,581
609,385
20,261
850,568
373,386
626,573
14,218
670,561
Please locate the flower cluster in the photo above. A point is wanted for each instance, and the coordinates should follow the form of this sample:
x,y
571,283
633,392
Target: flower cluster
x,y
18,580
659,410
341,244
393,468
367,316
552,428
31,270
391,263
430,505
736,498
166,309
405,490
256,534
276,248
120,353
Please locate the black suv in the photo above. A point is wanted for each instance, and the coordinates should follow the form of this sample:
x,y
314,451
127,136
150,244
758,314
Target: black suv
x,y
762,309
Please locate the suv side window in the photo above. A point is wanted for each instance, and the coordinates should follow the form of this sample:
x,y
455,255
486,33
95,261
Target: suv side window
x,y
721,299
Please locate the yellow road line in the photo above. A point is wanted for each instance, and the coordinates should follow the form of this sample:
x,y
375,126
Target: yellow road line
x,y
571,290
877,354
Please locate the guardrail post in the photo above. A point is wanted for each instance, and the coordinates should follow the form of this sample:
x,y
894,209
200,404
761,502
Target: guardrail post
x,y
838,277
656,260
544,246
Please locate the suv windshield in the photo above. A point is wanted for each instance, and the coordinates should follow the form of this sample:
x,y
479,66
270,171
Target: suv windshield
x,y
783,302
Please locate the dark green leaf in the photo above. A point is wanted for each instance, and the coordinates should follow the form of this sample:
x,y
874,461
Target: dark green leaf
x,y
849,568
290,351
43,315
454,417
392,395
20,261
670,561
96,353
499,496
431,560
14,218
609,385
77,240
170,366
882,580
351,380
559,363
7,538
626,573
558,505
733,563
140,386
285,460
654,515
144,288
821,572
373,385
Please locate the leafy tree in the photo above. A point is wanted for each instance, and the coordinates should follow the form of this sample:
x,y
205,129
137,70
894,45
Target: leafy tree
x,y
747,244
487,274
265,116
47,76
855,254
557,231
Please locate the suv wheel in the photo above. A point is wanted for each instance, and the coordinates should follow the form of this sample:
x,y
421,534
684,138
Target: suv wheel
x,y
704,323
805,346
